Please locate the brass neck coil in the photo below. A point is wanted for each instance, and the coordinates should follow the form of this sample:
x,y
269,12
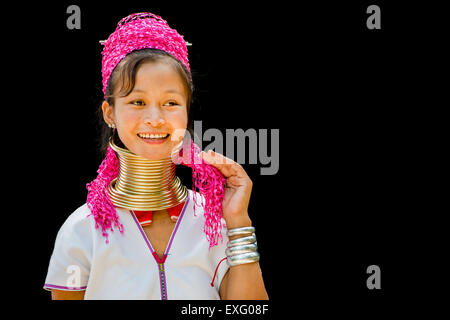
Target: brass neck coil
x,y
144,184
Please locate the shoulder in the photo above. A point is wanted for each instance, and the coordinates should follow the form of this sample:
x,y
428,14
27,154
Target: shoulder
x,y
79,223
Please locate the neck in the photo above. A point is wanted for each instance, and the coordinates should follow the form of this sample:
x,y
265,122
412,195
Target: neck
x,y
144,184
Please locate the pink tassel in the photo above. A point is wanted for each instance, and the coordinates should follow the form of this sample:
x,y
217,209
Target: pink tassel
x,y
98,200
210,183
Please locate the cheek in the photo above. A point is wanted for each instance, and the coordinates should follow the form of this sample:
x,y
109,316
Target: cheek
x,y
178,120
126,118
126,124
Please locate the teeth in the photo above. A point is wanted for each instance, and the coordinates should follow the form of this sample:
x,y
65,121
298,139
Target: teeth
x,y
152,136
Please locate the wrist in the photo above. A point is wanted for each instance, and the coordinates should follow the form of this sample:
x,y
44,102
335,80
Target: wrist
x,y
237,222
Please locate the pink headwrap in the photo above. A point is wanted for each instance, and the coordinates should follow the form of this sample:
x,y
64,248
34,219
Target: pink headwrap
x,y
135,32
141,31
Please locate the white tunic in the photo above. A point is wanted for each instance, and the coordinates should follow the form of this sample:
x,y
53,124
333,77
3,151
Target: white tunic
x,y
125,268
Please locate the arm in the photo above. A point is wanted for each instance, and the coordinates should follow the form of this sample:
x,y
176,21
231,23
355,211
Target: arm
x,y
241,282
67,295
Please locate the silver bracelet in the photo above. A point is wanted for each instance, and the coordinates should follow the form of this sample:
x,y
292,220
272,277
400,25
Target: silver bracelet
x,y
244,258
246,248
241,231
241,241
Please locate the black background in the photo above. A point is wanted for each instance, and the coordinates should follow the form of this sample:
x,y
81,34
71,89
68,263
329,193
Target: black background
x,y
349,103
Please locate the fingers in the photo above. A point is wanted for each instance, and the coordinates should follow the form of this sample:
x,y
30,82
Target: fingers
x,y
225,165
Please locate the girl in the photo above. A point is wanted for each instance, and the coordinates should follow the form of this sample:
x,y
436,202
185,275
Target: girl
x,y
171,241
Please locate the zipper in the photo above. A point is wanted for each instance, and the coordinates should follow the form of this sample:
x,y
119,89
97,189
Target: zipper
x,y
163,281
162,274
160,262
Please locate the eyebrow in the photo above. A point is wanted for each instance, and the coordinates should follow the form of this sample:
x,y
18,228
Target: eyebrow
x,y
167,91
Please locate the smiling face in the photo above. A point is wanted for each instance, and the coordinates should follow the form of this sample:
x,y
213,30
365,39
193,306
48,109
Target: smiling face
x,y
152,119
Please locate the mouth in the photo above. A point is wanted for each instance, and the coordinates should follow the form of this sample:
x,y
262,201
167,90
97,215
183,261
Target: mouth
x,y
154,138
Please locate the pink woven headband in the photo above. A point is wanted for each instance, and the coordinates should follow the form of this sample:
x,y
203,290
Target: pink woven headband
x,y
141,31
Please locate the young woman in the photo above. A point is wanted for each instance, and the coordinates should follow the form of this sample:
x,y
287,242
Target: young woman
x,y
171,241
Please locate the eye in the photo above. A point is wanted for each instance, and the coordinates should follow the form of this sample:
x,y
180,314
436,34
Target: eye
x,y
171,103
137,102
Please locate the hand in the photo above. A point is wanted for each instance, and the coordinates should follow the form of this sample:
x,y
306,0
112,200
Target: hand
x,y
238,188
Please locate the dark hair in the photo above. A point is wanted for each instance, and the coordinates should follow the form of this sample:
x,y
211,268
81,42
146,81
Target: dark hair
x,y
123,80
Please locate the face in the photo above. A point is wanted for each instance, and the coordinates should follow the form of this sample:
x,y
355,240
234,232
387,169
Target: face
x,y
152,119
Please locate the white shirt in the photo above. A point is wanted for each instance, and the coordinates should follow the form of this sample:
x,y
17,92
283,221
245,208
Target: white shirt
x,y
125,268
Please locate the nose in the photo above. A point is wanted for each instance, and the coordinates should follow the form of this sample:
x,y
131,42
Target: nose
x,y
154,117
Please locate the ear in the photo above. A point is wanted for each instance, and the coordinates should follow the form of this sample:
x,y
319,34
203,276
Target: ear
x,y
108,114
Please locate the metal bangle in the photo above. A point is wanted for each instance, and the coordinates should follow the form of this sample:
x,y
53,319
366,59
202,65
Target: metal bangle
x,y
246,248
243,258
241,231
241,241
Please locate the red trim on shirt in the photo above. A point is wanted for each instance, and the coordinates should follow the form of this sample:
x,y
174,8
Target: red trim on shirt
x,y
145,217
